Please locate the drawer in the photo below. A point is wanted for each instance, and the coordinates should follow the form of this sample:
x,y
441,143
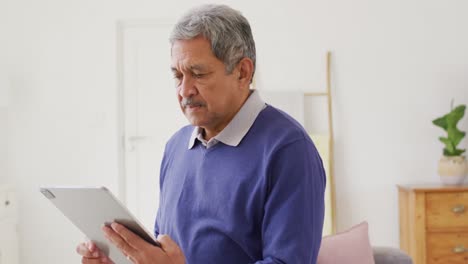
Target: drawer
x,y
447,210
447,248
8,204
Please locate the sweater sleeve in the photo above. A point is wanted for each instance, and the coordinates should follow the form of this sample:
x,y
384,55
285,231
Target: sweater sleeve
x,y
294,209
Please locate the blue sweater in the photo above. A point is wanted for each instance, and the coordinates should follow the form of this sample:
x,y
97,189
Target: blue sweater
x,y
260,202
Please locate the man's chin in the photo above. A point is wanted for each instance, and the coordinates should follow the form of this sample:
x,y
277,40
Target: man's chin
x,y
194,121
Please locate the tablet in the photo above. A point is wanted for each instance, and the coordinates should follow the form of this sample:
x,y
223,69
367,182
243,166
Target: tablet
x,y
89,209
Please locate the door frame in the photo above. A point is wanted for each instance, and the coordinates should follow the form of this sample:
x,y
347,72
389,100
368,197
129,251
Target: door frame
x,y
121,27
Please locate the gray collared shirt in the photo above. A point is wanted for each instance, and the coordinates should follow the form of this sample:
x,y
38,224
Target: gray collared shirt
x,y
235,131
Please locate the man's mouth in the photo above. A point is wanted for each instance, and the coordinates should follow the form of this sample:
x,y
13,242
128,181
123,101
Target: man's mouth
x,y
192,106
190,103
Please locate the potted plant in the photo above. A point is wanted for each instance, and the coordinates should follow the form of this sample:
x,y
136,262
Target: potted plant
x,y
452,166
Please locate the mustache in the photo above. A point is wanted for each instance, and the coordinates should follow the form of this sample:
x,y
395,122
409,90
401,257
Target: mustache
x,y
191,102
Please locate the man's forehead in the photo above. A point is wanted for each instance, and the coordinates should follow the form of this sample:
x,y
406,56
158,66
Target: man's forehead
x,y
194,54
189,66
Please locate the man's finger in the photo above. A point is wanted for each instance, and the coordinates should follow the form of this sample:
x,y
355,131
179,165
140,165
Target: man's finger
x,y
118,241
91,246
90,261
131,238
171,248
102,260
84,251
166,242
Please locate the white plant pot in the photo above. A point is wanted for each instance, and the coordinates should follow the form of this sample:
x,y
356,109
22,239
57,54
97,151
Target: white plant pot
x,y
452,170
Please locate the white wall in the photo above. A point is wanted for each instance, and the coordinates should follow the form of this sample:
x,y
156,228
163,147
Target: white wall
x,y
396,66
3,142
4,88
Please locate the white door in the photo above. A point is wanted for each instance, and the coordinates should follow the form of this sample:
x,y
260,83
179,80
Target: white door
x,y
9,241
150,113
9,249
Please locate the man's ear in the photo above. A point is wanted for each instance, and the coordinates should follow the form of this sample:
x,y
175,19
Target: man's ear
x,y
245,71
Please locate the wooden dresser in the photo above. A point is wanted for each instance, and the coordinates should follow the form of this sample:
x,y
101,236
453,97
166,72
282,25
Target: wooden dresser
x,y
434,223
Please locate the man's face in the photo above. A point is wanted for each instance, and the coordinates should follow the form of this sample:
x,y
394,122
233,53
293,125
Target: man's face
x,y
207,95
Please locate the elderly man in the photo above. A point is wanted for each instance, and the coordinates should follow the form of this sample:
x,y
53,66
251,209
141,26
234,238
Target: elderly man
x,y
243,183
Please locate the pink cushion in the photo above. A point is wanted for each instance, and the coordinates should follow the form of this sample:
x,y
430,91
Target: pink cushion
x,y
351,247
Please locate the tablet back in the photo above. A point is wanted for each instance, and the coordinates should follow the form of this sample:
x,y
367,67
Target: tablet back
x,y
89,209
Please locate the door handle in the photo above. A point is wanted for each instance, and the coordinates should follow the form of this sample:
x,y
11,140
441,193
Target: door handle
x,y
460,249
131,142
458,209
137,138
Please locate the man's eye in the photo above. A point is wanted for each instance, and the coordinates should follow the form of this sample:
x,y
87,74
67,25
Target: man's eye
x,y
177,79
198,76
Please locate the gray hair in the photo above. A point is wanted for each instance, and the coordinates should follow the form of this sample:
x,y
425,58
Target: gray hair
x,y
227,30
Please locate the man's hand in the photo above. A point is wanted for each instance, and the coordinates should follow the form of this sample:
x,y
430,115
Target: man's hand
x,y
139,251
91,254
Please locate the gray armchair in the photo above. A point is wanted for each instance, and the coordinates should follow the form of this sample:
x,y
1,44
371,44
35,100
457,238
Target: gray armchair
x,y
389,255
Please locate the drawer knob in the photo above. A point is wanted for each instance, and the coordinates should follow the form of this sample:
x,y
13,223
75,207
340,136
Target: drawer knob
x,y
458,209
460,249
7,203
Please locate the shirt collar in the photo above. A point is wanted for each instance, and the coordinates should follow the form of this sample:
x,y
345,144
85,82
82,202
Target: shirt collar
x,y
235,131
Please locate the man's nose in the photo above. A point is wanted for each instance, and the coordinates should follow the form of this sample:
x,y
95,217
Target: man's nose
x,y
187,88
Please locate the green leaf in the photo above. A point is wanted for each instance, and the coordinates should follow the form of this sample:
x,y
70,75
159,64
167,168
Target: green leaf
x,y
455,115
458,152
440,122
449,148
448,154
455,135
